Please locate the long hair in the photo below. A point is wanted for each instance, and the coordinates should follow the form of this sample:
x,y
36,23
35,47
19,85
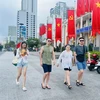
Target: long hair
x,y
24,43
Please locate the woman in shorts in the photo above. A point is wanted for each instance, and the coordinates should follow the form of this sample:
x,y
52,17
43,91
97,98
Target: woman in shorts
x,y
66,59
22,54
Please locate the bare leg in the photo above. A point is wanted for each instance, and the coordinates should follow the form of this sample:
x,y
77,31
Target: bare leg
x,y
68,77
24,76
65,79
44,79
19,73
48,78
80,75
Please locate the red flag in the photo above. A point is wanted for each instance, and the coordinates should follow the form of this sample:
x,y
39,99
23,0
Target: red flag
x,y
18,45
91,2
71,24
42,30
96,18
58,29
87,5
80,7
49,31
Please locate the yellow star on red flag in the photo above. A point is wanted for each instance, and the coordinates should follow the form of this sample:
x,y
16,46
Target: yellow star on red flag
x,y
49,29
98,4
58,24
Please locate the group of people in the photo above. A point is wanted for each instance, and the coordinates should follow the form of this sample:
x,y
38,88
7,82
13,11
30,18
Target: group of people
x,y
47,59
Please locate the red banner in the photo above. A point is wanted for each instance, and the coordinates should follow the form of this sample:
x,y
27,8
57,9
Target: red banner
x,y
87,5
91,3
80,7
18,45
42,30
49,31
71,24
96,18
58,29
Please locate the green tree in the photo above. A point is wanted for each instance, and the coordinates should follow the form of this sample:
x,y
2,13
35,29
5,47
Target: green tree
x,y
12,44
33,42
7,45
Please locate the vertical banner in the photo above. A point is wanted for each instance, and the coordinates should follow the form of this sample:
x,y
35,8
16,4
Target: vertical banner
x,y
42,30
96,18
80,7
87,5
49,31
58,35
71,24
91,3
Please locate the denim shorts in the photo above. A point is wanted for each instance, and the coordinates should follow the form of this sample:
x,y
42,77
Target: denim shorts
x,y
81,65
47,68
22,64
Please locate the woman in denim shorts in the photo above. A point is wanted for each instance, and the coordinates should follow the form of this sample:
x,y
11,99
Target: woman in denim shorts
x,y
22,54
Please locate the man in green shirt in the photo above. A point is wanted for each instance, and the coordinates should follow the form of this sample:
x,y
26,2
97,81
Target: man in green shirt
x,y
46,56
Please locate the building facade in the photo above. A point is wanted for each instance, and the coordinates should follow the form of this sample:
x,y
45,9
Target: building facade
x,y
27,17
60,10
12,33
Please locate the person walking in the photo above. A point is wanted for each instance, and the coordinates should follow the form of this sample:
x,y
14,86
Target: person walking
x,y
66,58
22,54
79,54
46,55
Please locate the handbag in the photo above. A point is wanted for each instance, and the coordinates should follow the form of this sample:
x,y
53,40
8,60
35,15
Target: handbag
x,y
15,61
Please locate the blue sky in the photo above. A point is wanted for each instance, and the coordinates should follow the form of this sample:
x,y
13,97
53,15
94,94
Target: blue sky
x,y
9,8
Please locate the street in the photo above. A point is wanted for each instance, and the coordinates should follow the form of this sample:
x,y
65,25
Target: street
x,y
9,90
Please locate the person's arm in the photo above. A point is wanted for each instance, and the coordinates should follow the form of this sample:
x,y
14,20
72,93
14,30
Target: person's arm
x,y
89,56
88,53
73,60
41,52
53,54
60,58
27,52
75,55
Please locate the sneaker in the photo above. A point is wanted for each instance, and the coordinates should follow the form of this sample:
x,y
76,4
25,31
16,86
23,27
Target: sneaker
x,y
24,89
17,83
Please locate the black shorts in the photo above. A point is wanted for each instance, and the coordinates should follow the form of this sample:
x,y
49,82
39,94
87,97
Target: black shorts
x,y
47,68
67,69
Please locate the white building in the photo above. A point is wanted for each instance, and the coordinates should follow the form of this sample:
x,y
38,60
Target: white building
x,y
60,10
12,33
28,17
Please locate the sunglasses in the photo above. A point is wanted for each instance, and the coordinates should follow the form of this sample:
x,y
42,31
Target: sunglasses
x,y
49,41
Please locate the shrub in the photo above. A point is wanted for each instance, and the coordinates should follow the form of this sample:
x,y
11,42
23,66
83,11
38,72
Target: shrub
x,y
93,52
